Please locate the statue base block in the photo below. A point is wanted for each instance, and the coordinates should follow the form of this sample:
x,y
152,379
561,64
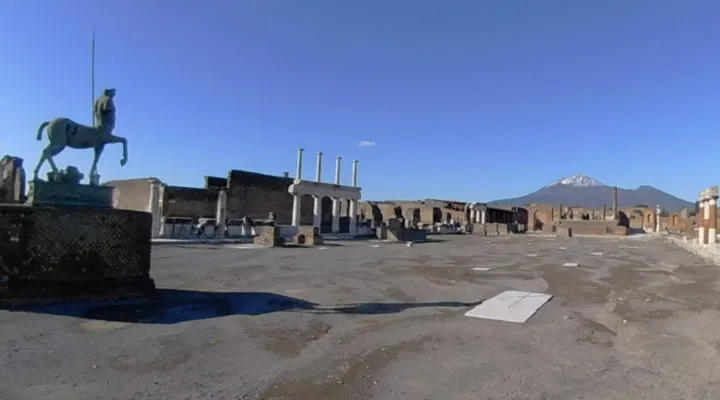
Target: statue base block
x,y
50,254
41,193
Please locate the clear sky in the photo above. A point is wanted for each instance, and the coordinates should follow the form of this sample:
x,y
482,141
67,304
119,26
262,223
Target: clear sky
x,y
466,100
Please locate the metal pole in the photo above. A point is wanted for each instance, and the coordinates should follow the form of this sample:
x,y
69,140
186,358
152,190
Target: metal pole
x,y
92,79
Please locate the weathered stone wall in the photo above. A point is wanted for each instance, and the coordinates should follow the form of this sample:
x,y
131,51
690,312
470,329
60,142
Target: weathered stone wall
x,y
131,194
180,201
69,251
12,179
255,195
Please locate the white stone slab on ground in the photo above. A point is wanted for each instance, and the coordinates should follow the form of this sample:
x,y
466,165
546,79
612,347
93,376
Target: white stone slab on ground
x,y
511,306
532,255
481,269
570,265
596,253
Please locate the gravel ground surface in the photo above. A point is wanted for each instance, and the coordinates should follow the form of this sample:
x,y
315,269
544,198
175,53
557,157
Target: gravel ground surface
x,y
637,318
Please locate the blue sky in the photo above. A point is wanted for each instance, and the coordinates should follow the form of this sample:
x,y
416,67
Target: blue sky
x,y
467,100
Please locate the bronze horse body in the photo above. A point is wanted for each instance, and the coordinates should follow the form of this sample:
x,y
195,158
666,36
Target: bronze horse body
x,y
64,132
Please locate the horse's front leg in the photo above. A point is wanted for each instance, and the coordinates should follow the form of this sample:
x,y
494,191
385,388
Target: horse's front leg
x,y
120,139
94,178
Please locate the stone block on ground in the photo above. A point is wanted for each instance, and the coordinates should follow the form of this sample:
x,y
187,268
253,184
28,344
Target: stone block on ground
x,y
564,232
308,235
269,236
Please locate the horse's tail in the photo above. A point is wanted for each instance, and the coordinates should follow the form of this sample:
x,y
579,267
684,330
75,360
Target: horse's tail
x,y
40,129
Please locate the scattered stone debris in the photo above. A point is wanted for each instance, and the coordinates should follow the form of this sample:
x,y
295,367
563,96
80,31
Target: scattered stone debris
x,y
596,253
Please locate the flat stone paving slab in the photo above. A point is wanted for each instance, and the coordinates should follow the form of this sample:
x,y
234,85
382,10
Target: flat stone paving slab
x,y
360,322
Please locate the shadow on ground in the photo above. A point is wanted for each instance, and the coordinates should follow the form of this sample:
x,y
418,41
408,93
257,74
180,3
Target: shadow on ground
x,y
170,306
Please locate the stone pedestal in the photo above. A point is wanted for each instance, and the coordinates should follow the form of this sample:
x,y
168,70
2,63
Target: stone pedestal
x,y
73,252
308,236
269,237
41,193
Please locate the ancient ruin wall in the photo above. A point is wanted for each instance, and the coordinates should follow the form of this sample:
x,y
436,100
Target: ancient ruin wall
x,y
180,201
256,195
131,194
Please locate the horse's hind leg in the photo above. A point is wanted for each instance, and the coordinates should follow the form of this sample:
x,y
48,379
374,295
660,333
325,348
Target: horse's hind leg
x,y
39,165
48,153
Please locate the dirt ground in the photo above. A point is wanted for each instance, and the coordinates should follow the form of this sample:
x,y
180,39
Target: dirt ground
x,y
638,318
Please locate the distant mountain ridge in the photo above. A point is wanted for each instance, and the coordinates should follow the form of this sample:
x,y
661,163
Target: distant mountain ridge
x,y
584,191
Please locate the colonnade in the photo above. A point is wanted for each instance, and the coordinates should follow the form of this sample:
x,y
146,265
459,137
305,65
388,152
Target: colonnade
x,y
318,189
478,214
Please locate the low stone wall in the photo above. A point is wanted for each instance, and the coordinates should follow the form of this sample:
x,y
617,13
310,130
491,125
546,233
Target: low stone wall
x,y
495,229
69,252
708,252
592,228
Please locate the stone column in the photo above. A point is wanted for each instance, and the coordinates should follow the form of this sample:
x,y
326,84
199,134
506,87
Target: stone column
x,y
336,201
483,216
298,174
712,228
353,203
317,211
338,160
657,218
318,172
335,215
221,213
353,217
154,207
354,173
708,228
296,210
615,204
702,218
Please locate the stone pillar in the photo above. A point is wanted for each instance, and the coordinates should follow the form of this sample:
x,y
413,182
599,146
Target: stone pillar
x,y
221,214
615,204
335,215
604,214
707,233
657,218
338,160
354,173
317,211
154,207
318,172
296,210
483,216
712,229
298,174
353,217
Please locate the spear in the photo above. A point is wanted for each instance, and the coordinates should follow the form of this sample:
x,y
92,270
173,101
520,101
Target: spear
x,y
92,80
